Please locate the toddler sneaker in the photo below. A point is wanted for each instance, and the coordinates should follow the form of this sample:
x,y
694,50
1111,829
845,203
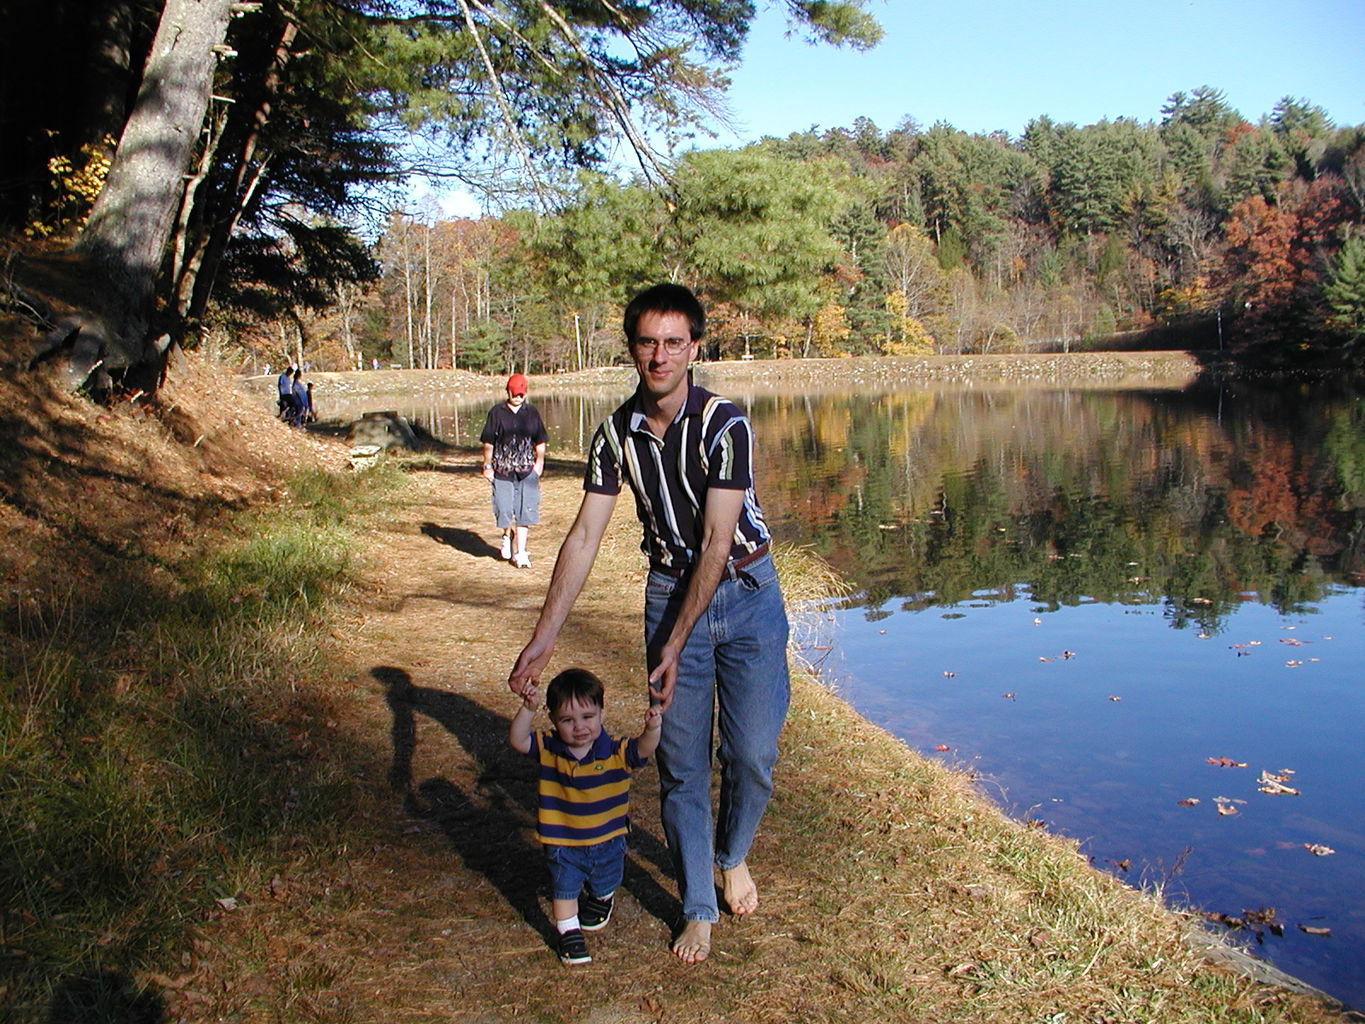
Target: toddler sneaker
x,y
506,548
594,913
573,948
521,560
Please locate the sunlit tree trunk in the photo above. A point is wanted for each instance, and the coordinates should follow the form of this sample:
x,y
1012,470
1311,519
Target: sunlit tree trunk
x,y
126,235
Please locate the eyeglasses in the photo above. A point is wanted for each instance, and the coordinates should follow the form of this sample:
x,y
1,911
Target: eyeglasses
x,y
673,346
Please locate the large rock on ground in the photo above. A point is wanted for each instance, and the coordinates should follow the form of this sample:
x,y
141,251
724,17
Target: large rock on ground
x,y
385,429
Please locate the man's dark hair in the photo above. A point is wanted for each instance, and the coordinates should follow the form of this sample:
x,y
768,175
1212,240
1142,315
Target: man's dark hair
x,y
665,298
574,684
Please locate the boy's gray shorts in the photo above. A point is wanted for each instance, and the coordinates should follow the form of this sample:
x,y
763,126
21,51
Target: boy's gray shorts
x,y
516,501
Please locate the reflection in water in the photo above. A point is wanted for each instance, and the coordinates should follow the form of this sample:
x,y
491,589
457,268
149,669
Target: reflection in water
x,y
1155,579
1111,497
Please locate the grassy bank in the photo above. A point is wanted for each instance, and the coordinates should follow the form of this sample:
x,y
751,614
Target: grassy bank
x,y
159,743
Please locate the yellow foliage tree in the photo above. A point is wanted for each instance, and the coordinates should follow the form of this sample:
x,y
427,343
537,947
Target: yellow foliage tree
x,y
74,186
909,336
830,329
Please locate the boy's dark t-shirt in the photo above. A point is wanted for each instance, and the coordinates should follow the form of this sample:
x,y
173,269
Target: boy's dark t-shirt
x,y
514,436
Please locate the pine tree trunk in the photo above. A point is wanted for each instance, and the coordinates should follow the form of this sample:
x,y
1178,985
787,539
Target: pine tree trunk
x,y
125,238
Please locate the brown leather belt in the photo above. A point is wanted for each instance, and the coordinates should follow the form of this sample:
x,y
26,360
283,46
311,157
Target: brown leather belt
x,y
739,563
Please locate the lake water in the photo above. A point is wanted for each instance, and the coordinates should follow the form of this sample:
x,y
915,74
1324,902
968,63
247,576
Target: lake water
x,y
1118,609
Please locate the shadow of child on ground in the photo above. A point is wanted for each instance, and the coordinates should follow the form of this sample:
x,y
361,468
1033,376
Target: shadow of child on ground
x,y
489,827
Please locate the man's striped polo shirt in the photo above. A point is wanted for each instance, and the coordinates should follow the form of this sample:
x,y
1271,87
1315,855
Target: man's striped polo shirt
x,y
709,444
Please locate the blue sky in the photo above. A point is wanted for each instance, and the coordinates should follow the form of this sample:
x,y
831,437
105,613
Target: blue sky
x,y
982,66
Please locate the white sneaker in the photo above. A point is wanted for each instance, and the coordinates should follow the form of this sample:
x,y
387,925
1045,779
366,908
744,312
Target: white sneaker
x,y
506,548
521,560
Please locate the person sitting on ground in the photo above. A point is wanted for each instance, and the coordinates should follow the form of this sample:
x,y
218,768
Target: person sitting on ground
x,y
583,792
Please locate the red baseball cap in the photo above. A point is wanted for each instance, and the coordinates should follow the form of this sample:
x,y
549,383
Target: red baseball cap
x,y
516,384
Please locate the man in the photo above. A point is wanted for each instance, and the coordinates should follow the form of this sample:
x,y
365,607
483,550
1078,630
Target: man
x,y
514,442
715,626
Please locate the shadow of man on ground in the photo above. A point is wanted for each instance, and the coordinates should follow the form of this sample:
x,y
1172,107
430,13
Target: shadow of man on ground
x,y
489,826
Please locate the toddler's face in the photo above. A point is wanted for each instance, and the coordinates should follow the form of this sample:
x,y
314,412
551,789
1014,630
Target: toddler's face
x,y
578,724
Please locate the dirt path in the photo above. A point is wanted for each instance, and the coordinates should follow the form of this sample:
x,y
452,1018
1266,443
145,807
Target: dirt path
x,y
436,910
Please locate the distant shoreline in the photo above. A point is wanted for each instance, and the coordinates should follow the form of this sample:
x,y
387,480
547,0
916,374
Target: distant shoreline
x,y
1117,370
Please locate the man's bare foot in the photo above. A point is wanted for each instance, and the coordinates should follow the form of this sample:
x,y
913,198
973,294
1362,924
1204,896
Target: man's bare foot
x,y
693,944
739,890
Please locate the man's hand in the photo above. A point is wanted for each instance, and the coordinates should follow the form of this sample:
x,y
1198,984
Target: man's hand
x,y
664,677
525,674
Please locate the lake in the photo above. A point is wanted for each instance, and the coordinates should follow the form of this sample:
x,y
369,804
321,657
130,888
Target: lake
x,y
1137,617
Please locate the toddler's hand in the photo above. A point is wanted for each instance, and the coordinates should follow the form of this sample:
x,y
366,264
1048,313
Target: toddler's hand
x,y
654,717
530,699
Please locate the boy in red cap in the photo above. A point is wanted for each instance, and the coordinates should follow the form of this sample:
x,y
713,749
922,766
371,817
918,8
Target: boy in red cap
x,y
514,442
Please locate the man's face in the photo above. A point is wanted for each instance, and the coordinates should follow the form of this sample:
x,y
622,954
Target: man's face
x,y
578,724
662,372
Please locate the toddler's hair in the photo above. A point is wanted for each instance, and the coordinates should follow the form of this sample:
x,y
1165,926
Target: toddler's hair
x,y
573,684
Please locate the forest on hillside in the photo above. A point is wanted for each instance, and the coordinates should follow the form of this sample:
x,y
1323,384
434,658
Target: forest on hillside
x,y
228,173
1204,230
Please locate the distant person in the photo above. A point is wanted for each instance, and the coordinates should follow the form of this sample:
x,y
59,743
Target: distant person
x,y
309,413
715,624
582,800
285,383
514,442
300,393
374,364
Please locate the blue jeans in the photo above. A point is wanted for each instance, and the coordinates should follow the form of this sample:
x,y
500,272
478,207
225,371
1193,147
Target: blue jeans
x,y
600,866
735,659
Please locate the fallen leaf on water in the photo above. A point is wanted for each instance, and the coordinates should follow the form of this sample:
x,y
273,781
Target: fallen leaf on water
x,y
1308,929
1255,643
1225,762
942,747
1044,659
949,675
1226,809
1318,850
1189,801
1112,697
1227,804
1008,696
1292,664
1037,622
